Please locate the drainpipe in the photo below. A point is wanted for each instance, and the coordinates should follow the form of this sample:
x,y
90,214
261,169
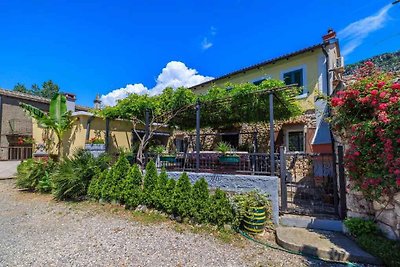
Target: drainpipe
x,y
328,86
88,128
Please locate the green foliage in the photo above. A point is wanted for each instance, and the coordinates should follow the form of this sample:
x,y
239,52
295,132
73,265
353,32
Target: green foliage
x,y
111,190
242,203
58,120
160,193
49,89
388,62
360,226
224,147
67,184
387,250
182,199
201,201
221,209
45,184
96,185
244,103
30,172
149,182
132,187
168,201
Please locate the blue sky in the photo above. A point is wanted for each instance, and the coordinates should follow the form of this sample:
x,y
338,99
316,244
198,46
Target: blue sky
x,y
91,47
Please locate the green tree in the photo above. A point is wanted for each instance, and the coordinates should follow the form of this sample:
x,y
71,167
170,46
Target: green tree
x,y
48,90
19,87
96,184
58,119
111,190
132,187
221,209
182,199
149,182
201,201
160,191
168,201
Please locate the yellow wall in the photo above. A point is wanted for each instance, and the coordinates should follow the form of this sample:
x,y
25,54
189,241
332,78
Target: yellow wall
x,y
308,59
120,134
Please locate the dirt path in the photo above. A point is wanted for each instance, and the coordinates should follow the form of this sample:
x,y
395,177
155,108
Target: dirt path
x,y
38,231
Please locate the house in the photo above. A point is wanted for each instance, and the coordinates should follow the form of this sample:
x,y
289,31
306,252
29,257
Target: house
x,y
16,125
317,70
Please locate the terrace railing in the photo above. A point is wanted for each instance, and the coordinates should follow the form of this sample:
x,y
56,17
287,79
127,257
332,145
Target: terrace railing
x,y
249,163
15,152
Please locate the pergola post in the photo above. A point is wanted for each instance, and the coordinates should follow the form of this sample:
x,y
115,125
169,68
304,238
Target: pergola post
x,y
146,133
271,132
198,135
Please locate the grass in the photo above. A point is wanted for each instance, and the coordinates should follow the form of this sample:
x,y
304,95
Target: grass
x,y
387,250
149,217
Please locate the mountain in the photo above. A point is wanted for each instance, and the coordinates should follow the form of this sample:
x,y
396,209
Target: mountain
x,y
387,62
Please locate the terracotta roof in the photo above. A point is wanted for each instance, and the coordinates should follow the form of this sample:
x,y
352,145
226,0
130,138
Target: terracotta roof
x,y
270,61
34,98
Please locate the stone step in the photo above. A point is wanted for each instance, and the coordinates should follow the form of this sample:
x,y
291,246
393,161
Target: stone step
x,y
329,223
323,244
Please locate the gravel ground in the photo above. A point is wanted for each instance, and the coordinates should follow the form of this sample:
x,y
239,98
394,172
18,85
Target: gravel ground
x,y
38,231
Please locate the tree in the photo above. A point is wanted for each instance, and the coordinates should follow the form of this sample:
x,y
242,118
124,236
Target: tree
x,y
48,90
58,119
19,87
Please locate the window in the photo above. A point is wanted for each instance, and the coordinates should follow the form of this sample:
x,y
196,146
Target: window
x,y
295,141
258,82
296,75
231,139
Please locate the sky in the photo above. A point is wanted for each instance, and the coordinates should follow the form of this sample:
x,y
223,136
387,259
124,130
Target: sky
x,y
113,48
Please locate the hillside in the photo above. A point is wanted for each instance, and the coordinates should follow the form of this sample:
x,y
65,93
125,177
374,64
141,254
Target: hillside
x,y
386,62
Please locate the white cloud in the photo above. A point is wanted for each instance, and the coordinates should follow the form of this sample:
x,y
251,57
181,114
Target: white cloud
x,y
213,31
206,44
175,74
355,33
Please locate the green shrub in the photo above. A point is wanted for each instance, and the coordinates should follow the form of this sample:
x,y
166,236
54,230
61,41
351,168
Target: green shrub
x,y
132,187
221,210
160,191
111,190
168,201
359,226
96,184
241,203
387,250
45,184
67,184
182,199
30,172
201,201
149,183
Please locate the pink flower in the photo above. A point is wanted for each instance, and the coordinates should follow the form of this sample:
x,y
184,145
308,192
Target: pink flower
x,y
396,86
382,106
357,153
394,99
381,84
397,172
382,94
374,92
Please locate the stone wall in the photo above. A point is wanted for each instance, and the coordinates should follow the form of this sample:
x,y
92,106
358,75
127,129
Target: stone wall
x,y
240,183
386,212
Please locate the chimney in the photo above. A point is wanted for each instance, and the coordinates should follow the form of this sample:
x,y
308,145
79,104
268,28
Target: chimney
x,y
329,37
71,98
97,102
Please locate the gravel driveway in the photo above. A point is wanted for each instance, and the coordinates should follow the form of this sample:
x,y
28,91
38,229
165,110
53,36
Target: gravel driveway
x,y
38,231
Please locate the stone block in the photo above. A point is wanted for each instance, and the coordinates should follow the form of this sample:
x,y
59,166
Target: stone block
x,y
352,214
388,231
388,217
377,205
396,198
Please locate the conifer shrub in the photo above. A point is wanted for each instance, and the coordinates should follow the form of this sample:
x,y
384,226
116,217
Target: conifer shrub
x,y
132,187
168,201
160,191
96,185
221,210
201,201
149,183
111,190
182,199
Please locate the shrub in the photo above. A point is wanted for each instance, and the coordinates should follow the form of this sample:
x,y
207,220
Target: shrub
x,y
387,250
132,187
160,191
182,199
149,182
45,184
67,184
96,184
30,172
359,226
168,201
242,203
221,209
111,190
201,201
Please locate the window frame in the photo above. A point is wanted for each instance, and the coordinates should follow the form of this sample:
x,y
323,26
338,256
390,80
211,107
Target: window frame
x,y
303,67
291,129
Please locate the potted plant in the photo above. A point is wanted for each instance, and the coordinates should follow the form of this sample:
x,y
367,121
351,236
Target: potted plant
x,y
162,154
96,145
228,156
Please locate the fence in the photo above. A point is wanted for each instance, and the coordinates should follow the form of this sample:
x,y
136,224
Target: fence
x,y
15,152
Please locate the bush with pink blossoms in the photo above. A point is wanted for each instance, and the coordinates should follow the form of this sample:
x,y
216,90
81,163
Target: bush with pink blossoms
x,y
366,115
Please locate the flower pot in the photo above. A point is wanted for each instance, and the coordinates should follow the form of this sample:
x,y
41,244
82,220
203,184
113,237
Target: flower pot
x,y
96,149
168,158
229,159
254,220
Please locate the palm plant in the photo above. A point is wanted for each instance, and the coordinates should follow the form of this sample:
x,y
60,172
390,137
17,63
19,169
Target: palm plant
x,y
58,119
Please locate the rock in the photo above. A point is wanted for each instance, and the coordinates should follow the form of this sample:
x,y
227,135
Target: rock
x,y
396,198
388,231
227,227
378,205
142,208
179,219
387,217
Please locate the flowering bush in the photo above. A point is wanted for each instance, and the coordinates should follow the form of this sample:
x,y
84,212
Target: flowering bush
x,y
96,140
366,114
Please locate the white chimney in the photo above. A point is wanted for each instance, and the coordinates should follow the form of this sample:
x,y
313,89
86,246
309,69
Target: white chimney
x,y
71,98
